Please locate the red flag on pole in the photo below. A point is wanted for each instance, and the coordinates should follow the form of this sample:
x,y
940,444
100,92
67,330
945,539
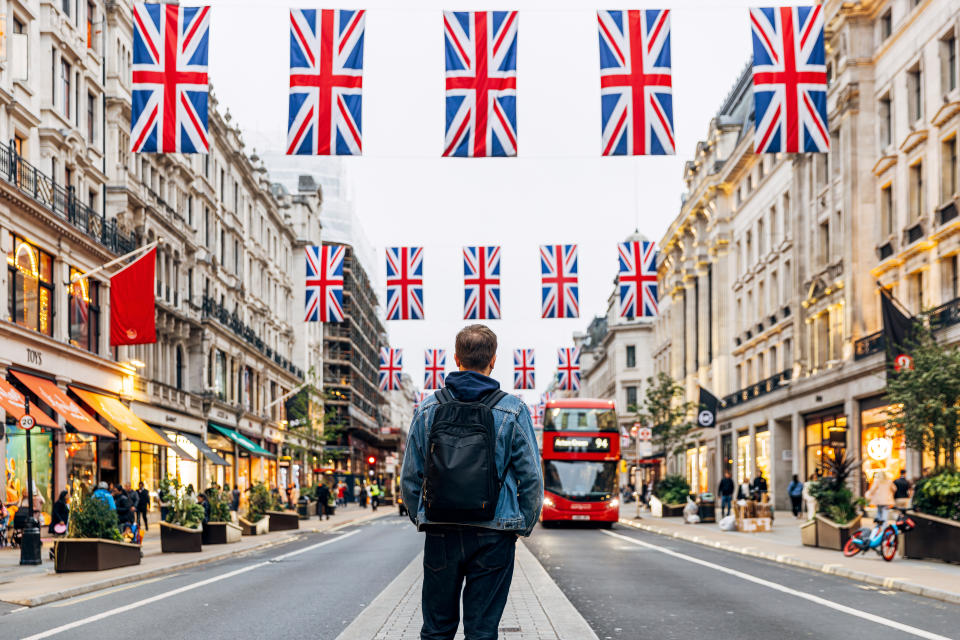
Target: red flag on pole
x,y
132,305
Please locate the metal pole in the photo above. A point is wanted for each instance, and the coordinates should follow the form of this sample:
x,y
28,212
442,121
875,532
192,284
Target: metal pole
x,y
30,542
144,248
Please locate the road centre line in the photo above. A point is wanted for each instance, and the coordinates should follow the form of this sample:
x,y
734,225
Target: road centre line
x,y
784,589
107,592
179,590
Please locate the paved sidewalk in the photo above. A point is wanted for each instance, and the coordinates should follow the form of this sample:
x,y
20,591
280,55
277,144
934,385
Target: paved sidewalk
x,y
36,585
536,608
932,579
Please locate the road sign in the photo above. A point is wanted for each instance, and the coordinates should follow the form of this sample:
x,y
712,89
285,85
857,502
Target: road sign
x,y
27,422
646,449
644,433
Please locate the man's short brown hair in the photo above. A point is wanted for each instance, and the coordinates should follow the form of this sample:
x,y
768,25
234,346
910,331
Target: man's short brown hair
x,y
475,347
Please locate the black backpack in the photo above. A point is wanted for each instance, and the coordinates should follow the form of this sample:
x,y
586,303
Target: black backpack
x,y
461,483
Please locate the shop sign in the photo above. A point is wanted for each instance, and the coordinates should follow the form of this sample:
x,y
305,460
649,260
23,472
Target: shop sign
x,y
787,455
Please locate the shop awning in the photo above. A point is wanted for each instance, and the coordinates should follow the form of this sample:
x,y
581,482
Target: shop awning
x,y
12,402
117,414
172,443
243,441
205,449
60,402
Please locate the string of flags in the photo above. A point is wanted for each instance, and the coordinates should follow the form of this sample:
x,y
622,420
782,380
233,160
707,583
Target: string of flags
x,y
325,116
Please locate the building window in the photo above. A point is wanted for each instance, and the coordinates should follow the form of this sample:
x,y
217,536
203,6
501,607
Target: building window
x,y
948,168
632,399
66,6
220,373
886,121
916,291
66,73
91,14
915,93
916,191
886,25
30,286
91,118
825,438
206,227
825,242
223,184
83,302
948,63
631,356
190,211
886,211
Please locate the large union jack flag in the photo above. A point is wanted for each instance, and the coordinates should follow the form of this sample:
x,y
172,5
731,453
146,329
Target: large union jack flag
x,y
523,369
481,57
326,80
636,92
324,284
560,295
434,368
391,365
405,283
568,368
169,75
789,80
637,281
481,283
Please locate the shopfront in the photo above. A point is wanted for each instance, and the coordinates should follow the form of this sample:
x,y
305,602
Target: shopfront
x,y
761,447
254,463
825,438
41,448
881,448
182,459
744,464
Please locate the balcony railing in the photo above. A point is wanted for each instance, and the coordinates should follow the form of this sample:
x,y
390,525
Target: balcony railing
x,y
215,310
868,345
62,202
946,315
761,388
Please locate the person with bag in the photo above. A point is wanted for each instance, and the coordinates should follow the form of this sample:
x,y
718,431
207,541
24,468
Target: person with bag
x,y
472,482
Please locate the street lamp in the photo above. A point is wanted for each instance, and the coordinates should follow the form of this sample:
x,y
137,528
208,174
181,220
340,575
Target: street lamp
x,y
30,542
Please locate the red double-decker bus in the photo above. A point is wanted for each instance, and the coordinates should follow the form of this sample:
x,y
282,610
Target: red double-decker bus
x,y
581,450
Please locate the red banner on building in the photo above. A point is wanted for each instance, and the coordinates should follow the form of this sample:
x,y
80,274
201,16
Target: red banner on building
x,y
132,303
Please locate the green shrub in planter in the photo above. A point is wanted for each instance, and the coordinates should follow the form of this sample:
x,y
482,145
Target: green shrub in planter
x,y
219,504
91,517
183,509
834,498
939,494
673,489
262,500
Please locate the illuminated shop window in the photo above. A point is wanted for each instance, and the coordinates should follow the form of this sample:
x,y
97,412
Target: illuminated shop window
x,y
30,277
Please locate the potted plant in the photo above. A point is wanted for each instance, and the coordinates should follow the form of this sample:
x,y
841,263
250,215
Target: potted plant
x,y
93,541
669,497
219,529
936,514
256,521
281,519
182,530
307,505
837,510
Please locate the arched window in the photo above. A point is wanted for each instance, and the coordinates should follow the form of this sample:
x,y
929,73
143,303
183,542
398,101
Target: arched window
x,y
178,368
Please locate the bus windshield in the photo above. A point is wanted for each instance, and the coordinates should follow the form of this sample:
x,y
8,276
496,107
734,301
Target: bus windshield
x,y
581,480
573,419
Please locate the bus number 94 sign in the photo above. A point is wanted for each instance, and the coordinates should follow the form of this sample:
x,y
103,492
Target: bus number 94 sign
x,y
581,444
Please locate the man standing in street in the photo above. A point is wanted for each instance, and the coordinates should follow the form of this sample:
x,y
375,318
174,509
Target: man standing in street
x,y
901,495
726,494
143,505
471,480
323,497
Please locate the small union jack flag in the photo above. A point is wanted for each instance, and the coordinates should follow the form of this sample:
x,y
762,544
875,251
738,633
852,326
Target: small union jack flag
x,y
391,365
481,283
326,82
568,368
324,284
636,86
169,75
789,80
523,369
481,59
434,368
560,294
638,279
405,283
419,397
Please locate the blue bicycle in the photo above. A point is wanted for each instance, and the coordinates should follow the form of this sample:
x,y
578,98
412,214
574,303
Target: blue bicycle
x,y
882,538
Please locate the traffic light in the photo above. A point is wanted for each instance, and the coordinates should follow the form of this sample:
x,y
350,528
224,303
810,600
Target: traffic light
x,y
371,460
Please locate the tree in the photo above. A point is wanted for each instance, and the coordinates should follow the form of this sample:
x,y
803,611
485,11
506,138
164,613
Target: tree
x,y
665,409
925,400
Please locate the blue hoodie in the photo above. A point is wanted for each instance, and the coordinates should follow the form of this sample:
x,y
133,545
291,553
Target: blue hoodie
x,y
469,386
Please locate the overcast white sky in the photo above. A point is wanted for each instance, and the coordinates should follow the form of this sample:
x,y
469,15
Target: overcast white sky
x,y
559,189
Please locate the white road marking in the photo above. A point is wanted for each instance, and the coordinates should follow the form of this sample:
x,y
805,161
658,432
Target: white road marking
x,y
179,590
106,592
17,609
893,624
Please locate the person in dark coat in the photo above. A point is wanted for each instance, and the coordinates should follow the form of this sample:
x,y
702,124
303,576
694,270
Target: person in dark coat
x,y
143,505
726,494
203,502
323,496
60,513
125,513
235,499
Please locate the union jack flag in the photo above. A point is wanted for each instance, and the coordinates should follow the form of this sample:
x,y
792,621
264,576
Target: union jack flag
x,y
789,80
419,397
391,365
434,368
636,92
326,80
560,294
523,369
169,75
405,283
568,368
638,279
324,283
481,58
481,283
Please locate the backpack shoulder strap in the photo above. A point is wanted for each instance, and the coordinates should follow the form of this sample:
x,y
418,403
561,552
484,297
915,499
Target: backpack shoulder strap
x,y
493,398
443,396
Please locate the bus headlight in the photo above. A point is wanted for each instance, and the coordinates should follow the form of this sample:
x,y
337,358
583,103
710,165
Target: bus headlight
x,y
547,501
613,504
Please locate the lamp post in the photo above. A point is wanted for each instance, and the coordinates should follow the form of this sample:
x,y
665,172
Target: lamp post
x,y
30,543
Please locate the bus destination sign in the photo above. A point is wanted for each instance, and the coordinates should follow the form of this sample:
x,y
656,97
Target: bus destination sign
x,y
581,444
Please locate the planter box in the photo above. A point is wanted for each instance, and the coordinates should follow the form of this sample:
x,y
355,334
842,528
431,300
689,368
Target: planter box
x,y
831,535
284,520
177,539
662,510
808,533
934,538
93,554
307,509
257,528
220,533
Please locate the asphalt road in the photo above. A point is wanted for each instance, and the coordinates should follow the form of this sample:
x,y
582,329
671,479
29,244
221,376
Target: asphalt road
x,y
310,588
626,590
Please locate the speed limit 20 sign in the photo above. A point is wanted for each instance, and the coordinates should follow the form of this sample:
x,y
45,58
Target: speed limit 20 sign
x,y
27,421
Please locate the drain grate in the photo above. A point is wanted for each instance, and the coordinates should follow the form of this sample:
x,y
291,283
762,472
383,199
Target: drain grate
x,y
509,629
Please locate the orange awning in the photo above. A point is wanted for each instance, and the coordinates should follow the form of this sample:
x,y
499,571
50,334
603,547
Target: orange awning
x,y
120,417
12,402
57,400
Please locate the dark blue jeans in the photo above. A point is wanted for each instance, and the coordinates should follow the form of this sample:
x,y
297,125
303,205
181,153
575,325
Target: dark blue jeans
x,y
725,502
481,557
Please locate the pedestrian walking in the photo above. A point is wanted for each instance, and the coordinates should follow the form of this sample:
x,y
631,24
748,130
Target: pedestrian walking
x,y
881,494
744,491
341,494
726,494
498,491
59,515
203,502
104,494
143,505
363,496
235,499
759,487
125,511
810,503
374,495
323,497
902,491
795,491
356,491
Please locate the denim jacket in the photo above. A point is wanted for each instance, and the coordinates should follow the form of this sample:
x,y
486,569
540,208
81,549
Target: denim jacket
x,y
521,497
